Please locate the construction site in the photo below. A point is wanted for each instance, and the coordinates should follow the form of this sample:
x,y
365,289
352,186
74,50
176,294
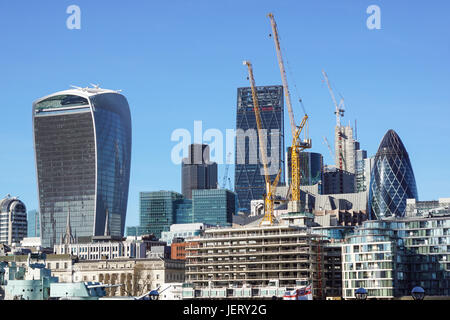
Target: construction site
x,y
278,253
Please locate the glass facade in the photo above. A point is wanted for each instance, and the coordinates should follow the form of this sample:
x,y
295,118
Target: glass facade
x,y
83,151
427,241
34,225
418,250
161,209
158,211
373,258
392,179
214,207
184,212
249,172
311,164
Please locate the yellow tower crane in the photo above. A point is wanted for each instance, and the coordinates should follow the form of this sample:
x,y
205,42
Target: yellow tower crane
x,y
270,187
298,144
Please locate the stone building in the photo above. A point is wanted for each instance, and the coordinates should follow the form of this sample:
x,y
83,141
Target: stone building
x,y
137,276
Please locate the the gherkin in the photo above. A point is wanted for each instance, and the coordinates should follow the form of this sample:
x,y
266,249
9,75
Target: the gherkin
x,y
392,179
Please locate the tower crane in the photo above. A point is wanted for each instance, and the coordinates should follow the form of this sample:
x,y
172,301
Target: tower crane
x,y
339,112
329,148
270,187
298,144
331,153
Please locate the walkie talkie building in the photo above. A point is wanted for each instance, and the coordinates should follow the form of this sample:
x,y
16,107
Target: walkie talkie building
x,y
82,140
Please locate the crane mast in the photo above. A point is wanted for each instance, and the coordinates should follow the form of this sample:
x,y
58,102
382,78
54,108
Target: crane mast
x,y
283,72
270,188
298,145
339,157
339,112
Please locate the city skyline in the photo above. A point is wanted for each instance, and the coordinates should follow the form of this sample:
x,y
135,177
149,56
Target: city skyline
x,y
389,77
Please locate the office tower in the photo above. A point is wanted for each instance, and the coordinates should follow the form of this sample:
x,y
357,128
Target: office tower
x,y
13,220
134,231
249,172
183,212
33,224
82,141
344,144
311,165
197,171
158,211
161,209
392,180
361,155
368,166
337,181
214,207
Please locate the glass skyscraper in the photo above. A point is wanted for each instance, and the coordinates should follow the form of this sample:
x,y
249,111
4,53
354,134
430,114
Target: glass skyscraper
x,y
311,164
158,211
249,172
82,141
197,171
392,179
33,224
161,209
214,207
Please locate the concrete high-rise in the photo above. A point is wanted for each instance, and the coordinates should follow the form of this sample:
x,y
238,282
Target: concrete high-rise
x,y
82,140
249,173
197,171
344,143
13,220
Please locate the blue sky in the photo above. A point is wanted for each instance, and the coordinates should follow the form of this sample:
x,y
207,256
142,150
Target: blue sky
x,y
181,61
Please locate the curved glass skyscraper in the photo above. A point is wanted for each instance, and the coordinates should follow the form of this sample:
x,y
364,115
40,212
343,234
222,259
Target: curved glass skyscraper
x,y
392,179
82,143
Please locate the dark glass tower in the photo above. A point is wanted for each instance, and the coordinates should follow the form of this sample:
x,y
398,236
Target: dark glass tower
x,y
392,179
197,172
82,143
249,172
311,164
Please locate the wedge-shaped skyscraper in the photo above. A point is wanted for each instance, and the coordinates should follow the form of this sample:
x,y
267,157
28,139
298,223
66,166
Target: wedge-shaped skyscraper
x,y
392,179
82,143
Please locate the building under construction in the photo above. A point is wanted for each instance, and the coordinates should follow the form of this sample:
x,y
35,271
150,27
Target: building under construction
x,y
254,255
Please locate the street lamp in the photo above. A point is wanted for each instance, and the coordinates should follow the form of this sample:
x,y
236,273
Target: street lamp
x,y
361,294
418,293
